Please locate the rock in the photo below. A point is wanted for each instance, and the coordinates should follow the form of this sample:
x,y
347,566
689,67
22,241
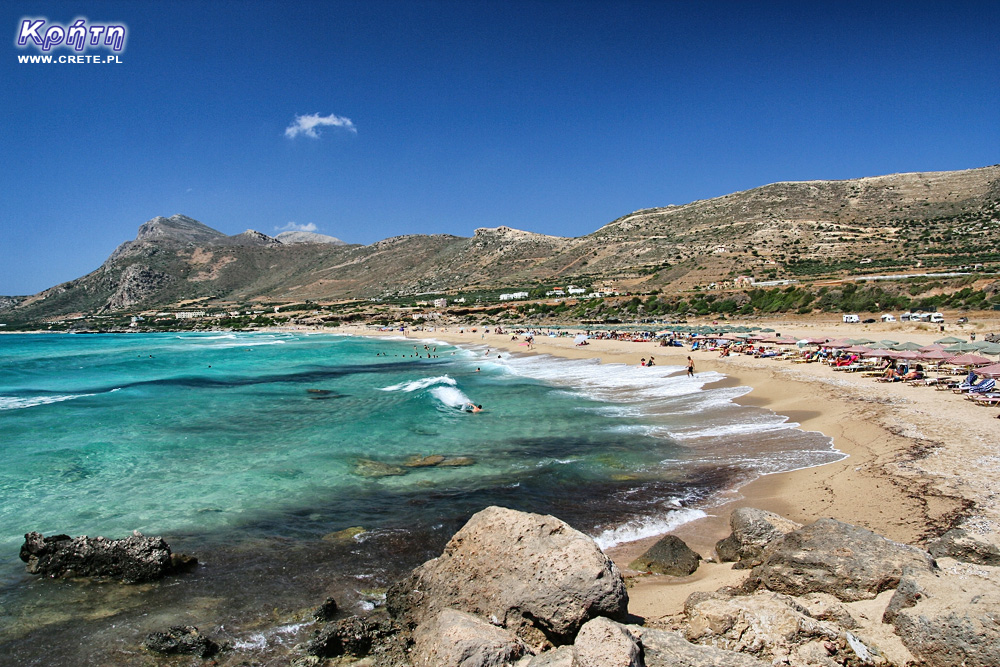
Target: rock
x,y
181,640
949,620
770,626
356,636
457,462
663,648
326,611
563,656
604,643
828,556
345,536
183,563
964,546
753,529
369,468
132,560
529,573
670,555
417,461
457,639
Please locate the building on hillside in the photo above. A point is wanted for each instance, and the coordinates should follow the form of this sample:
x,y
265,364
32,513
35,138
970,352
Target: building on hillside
x,y
572,289
440,303
189,314
513,296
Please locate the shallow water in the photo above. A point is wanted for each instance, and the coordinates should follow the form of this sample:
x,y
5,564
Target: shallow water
x,y
251,450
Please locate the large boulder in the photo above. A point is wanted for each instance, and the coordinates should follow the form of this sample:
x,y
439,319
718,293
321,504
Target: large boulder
x,y
603,643
670,555
356,636
457,639
753,530
949,619
832,557
530,573
132,560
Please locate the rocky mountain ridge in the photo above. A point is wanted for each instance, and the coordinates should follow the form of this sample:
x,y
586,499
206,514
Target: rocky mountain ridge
x,y
782,230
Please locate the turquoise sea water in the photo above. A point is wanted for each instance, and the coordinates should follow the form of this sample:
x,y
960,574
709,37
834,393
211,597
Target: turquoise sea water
x,y
250,450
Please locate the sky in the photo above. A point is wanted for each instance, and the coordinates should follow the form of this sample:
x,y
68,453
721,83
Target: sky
x,y
365,120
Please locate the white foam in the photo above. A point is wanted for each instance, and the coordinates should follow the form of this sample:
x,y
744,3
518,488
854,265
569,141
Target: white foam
x,y
422,383
615,383
451,396
638,529
17,403
724,430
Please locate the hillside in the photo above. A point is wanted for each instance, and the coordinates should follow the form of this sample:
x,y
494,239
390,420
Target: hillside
x,y
784,230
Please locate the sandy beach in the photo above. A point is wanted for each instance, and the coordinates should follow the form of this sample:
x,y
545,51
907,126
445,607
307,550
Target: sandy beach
x,y
918,462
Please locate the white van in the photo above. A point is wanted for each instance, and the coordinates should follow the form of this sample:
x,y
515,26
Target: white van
x,y
937,318
851,319
888,317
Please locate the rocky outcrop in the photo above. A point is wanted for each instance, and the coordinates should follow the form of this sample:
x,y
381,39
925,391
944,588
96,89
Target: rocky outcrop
x,y
356,636
964,546
291,238
753,530
9,302
132,560
136,284
531,574
771,626
664,648
828,556
670,555
181,640
949,620
459,639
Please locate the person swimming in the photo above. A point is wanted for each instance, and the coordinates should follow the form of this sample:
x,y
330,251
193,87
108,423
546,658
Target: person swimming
x,y
472,407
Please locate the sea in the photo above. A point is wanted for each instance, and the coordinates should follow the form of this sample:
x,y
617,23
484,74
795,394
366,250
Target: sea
x,y
284,462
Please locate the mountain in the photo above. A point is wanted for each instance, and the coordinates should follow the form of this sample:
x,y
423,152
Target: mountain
x,y
307,237
783,230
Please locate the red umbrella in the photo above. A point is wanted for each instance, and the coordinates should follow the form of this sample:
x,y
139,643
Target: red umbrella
x,y
858,349
929,348
969,360
814,341
890,354
992,371
842,343
935,355
910,355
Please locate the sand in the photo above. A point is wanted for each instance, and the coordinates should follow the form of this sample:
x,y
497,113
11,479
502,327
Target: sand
x,y
919,460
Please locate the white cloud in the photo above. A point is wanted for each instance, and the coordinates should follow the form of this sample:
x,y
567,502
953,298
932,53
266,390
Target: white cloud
x,y
296,227
307,125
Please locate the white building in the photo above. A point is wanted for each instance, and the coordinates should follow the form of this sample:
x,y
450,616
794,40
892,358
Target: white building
x,y
513,296
572,289
440,303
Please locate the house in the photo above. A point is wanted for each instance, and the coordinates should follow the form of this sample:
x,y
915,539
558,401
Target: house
x,y
572,289
440,303
513,296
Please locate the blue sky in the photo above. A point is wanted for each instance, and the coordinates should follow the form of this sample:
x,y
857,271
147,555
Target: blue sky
x,y
555,117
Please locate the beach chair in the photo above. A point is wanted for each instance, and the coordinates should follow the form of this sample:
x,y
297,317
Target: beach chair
x,y
985,399
981,387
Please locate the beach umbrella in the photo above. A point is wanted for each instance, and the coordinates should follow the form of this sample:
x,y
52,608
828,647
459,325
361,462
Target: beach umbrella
x,y
814,341
907,346
858,349
935,355
935,346
969,360
889,343
766,330
992,371
990,348
961,347
839,344
863,341
950,340
580,338
882,354
910,355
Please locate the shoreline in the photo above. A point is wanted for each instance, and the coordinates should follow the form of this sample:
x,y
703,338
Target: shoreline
x,y
898,478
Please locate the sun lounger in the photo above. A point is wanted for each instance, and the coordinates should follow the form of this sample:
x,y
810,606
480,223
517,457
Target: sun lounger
x,y
984,399
980,387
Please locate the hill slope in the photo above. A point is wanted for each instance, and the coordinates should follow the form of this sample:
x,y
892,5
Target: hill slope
x,y
779,230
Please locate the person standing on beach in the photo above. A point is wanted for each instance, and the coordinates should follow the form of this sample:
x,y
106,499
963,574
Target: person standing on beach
x,y
690,367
